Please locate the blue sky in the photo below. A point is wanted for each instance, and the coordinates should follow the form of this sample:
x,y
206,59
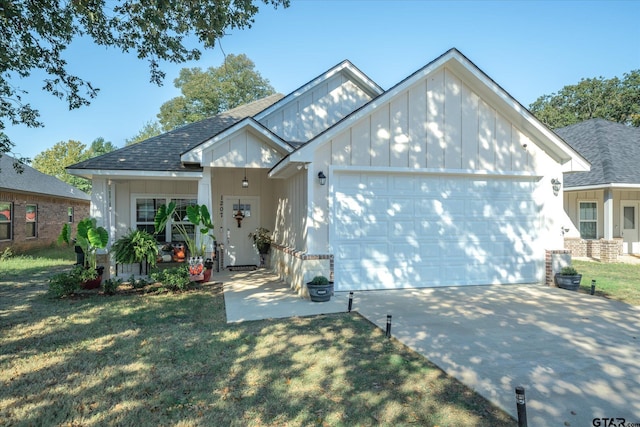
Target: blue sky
x,y
530,48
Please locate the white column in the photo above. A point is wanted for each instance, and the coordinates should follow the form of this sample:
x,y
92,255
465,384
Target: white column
x,y
608,214
100,201
204,198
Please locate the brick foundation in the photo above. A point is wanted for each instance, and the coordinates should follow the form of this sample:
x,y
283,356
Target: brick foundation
x,y
603,250
554,260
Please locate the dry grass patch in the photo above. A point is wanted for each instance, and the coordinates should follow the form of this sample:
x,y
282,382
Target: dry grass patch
x,y
171,359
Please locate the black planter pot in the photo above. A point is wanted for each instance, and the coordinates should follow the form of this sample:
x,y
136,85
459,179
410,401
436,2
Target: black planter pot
x,y
570,283
320,293
79,255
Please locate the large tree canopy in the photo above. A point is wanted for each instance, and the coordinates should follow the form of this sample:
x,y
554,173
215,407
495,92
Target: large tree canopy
x,y
209,92
611,99
35,33
54,160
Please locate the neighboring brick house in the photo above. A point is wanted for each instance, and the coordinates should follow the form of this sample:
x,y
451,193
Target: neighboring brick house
x,y
34,206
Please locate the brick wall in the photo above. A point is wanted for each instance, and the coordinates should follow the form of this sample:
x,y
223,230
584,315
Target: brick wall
x,y
603,250
52,214
554,260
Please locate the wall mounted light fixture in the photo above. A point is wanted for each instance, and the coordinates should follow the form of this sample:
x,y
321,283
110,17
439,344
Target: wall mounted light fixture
x,y
245,181
322,177
556,184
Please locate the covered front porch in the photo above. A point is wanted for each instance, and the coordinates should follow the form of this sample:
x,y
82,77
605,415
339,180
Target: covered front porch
x,y
604,221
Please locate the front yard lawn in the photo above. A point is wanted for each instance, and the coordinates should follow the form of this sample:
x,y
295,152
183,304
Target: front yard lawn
x,y
615,281
170,359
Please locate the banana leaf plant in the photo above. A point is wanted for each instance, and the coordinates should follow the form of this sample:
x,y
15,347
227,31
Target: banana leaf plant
x,y
89,237
197,215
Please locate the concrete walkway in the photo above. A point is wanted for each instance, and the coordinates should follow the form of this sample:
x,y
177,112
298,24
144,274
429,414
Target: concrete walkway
x,y
578,356
259,294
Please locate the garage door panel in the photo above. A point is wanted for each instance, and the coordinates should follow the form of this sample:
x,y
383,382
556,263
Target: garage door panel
x,y
401,208
415,230
403,183
348,251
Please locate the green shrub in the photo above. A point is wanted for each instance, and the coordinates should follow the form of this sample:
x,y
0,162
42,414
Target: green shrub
x,y
84,274
319,280
63,284
137,283
110,286
568,271
174,279
135,247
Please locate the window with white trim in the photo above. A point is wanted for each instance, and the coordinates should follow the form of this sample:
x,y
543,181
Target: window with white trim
x,y
6,221
588,218
31,221
146,208
70,214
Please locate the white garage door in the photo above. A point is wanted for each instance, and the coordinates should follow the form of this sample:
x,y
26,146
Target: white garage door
x,y
407,230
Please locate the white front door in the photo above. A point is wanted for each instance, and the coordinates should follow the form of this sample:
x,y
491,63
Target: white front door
x,y
239,248
629,221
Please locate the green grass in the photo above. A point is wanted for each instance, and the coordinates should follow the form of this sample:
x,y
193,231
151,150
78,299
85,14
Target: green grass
x,y
615,281
170,359
36,263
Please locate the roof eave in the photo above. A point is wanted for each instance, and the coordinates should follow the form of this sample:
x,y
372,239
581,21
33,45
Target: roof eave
x,y
135,174
613,185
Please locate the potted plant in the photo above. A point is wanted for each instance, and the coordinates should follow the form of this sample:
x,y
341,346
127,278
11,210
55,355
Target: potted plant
x,y
568,278
197,215
89,237
320,289
262,239
136,247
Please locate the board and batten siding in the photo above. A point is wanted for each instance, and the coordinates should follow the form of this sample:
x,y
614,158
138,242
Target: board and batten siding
x,y
242,149
291,211
317,110
438,123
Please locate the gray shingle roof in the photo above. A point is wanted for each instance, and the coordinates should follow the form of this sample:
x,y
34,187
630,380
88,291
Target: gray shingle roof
x,y
162,152
33,181
613,150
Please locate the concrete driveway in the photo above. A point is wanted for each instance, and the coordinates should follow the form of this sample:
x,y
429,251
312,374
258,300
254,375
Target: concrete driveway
x,y
578,356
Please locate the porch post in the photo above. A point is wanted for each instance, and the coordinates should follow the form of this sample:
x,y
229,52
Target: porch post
x,y
100,201
608,214
204,198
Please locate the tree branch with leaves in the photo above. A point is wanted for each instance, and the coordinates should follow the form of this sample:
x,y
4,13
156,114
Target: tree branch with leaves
x,y
34,35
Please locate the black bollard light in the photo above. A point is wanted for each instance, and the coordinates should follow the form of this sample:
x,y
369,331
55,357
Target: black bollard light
x,y
522,407
593,287
350,300
388,334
